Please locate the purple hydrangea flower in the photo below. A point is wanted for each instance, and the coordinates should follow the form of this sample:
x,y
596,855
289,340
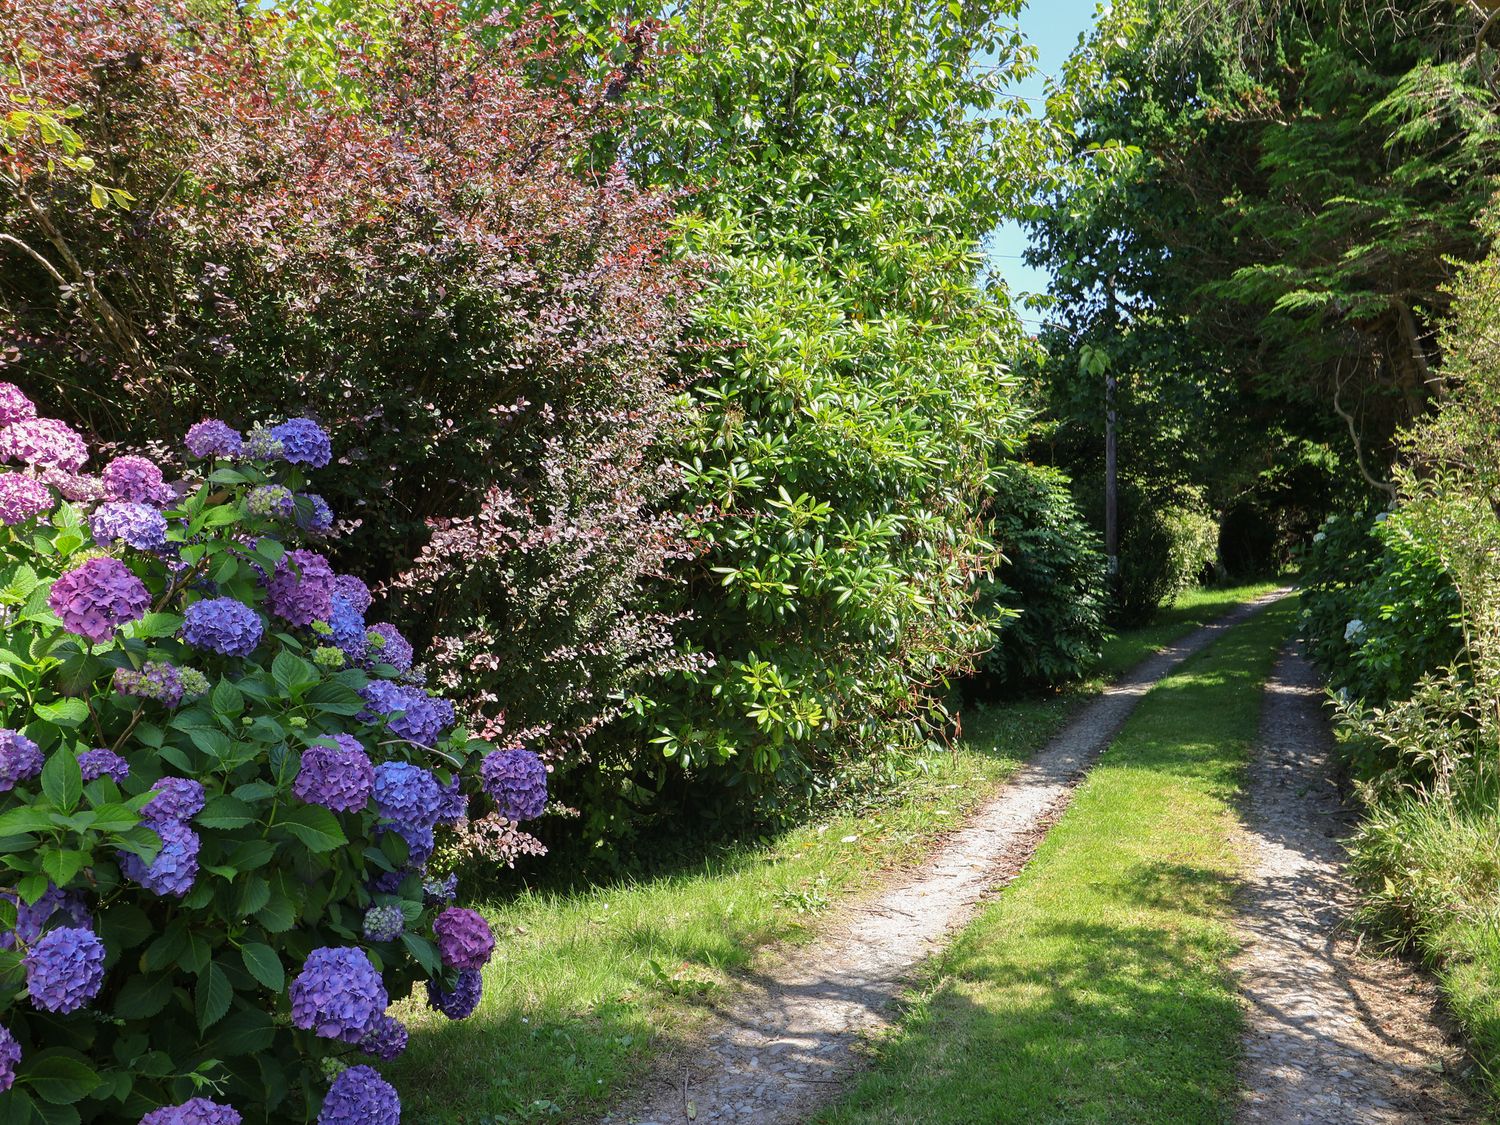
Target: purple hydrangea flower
x,y
260,445
156,680
338,994
388,882
409,712
301,590
271,501
176,799
212,438
32,921
43,442
411,799
10,1050
348,625
95,599
355,592
386,1040
314,516
303,442
359,1096
459,1004
517,781
135,480
136,525
103,763
77,487
338,777
65,969
196,1111
14,405
172,872
440,892
23,497
384,923
222,625
392,648
454,809
20,759
464,938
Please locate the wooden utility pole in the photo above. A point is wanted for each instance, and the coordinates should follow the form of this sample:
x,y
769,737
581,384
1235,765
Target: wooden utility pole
x,y
1111,449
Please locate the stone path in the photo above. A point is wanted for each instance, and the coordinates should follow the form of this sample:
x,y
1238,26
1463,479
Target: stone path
x,y
1333,1036
785,1041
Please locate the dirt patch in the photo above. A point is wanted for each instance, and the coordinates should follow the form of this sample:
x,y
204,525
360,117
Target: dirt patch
x,y
785,1041
1332,1035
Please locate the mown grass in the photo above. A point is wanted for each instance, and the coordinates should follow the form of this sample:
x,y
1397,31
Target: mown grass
x,y
585,980
1097,988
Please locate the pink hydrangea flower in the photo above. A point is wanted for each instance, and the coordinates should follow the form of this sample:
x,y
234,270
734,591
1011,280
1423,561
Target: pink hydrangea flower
x,y
22,497
95,599
43,442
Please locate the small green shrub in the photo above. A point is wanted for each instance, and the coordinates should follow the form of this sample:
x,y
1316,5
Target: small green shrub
x,y
1167,542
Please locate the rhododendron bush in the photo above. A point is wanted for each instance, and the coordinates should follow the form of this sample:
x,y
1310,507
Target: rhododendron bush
x,y
220,786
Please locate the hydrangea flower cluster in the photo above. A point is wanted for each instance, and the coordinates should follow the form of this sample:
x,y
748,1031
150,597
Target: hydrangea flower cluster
x,y
222,625
411,799
355,592
314,516
359,1096
125,521
195,1111
213,438
464,938
134,480
384,923
388,646
176,798
43,443
103,763
95,599
348,627
517,782
23,498
78,487
409,711
386,1040
20,759
261,445
156,679
301,590
459,1002
271,501
174,870
338,995
14,405
303,442
65,969
32,921
338,777
10,1050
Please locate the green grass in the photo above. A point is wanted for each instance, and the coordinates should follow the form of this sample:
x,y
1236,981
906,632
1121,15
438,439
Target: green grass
x,y
1097,988
584,980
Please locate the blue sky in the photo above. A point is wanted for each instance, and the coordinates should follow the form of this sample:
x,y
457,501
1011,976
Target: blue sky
x,y
1053,27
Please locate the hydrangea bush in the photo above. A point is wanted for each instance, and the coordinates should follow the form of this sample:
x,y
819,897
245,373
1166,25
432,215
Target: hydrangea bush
x,y
219,789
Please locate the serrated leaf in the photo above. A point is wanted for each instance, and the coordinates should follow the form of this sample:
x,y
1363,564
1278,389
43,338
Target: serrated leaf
x,y
264,965
212,996
67,713
316,827
62,780
225,811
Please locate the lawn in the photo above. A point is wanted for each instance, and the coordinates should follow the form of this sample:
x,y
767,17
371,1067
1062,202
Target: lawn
x,y
1097,988
583,980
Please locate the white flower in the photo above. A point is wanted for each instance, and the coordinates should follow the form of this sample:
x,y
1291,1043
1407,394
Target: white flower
x,y
1319,537
1353,629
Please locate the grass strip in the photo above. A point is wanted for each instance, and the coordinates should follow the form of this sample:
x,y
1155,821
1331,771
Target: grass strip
x,y
1097,988
583,980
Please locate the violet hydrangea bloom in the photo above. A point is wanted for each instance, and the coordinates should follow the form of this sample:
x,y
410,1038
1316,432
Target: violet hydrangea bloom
x,y
212,438
303,442
65,969
354,591
10,1054
392,649
464,938
172,873
222,625
458,1004
338,777
359,1096
156,679
95,599
410,798
386,1040
23,497
384,923
78,487
43,442
136,480
454,809
195,1111
103,763
176,799
348,625
20,759
14,405
440,892
136,525
271,501
314,516
66,907
338,994
260,445
301,590
409,712
517,782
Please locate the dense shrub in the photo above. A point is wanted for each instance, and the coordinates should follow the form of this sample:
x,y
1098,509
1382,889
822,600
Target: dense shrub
x,y
1168,541
218,793
1051,577
404,237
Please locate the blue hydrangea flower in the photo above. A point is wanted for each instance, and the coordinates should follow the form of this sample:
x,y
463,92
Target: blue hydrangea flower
x,y
388,882
338,777
355,592
314,516
348,625
65,969
103,763
222,625
10,1058
411,799
384,923
20,759
386,1040
172,873
409,712
359,1096
459,1004
212,438
66,907
392,648
303,442
440,892
177,798
454,809
126,521
196,1111
517,782
338,994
